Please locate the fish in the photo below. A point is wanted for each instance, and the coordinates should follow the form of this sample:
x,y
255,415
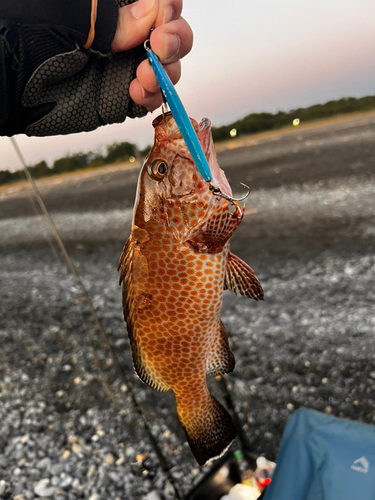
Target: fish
x,y
174,269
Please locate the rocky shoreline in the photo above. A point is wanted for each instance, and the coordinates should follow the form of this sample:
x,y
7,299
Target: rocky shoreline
x,y
69,428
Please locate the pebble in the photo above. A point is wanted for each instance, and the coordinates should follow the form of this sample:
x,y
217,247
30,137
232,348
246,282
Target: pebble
x,y
76,483
91,471
109,459
114,476
24,439
3,486
45,463
66,482
76,448
130,451
153,495
18,489
43,489
105,482
121,459
57,469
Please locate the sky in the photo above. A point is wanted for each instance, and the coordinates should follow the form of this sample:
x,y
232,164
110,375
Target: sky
x,y
248,56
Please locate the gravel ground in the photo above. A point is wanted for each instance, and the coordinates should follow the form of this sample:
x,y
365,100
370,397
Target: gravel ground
x,y
69,428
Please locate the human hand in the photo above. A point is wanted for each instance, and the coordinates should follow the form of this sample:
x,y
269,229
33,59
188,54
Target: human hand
x,y
171,39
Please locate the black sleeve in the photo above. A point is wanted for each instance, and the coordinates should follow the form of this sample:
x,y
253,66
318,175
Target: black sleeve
x,y
49,85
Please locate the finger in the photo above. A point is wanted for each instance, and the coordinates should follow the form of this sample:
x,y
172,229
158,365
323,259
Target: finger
x,y
169,10
145,90
134,24
147,78
140,96
172,41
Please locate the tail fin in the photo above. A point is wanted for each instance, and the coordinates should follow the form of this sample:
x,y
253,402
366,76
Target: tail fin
x,y
208,427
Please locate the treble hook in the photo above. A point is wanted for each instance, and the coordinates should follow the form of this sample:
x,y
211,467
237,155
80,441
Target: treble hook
x,y
218,192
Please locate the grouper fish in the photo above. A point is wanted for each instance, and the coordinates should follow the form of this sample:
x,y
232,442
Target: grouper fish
x,y
174,269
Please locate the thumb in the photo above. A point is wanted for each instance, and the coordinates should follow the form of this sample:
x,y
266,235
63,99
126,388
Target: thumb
x,y
134,24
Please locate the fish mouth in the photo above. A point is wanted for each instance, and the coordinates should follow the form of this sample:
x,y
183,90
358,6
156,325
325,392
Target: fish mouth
x,y
162,118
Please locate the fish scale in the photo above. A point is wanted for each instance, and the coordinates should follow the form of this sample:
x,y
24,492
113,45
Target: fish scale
x,y
174,269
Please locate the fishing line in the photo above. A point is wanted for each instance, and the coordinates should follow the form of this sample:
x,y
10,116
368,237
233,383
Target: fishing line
x,y
159,453
246,447
47,235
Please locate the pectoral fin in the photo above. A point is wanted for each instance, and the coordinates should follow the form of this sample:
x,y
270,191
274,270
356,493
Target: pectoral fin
x,y
240,278
217,230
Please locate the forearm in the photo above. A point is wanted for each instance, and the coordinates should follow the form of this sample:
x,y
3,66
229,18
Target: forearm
x,y
45,75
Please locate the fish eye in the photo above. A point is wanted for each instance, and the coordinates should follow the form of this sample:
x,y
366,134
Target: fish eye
x,y
157,170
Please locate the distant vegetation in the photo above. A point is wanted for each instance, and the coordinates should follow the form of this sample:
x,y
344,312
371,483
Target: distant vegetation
x,y
115,153
255,122
258,122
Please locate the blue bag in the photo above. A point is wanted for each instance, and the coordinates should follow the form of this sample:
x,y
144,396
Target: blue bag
x,y
324,458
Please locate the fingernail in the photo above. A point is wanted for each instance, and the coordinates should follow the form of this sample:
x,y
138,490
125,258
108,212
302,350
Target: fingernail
x,y
142,8
168,14
145,93
172,46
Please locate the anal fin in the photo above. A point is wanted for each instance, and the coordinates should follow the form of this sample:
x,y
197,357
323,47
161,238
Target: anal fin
x,y
220,359
240,278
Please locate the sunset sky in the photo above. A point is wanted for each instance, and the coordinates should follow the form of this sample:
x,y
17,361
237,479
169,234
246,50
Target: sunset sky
x,y
248,56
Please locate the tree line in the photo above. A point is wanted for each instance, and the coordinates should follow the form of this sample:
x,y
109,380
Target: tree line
x,y
115,153
259,122
250,124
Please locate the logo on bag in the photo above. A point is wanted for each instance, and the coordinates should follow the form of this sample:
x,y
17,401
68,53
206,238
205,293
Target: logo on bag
x,y
361,465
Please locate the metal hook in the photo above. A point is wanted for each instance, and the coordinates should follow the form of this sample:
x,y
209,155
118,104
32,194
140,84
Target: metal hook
x,y
164,107
218,192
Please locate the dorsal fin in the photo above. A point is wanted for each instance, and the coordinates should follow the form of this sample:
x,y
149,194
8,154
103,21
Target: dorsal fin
x,y
133,303
240,278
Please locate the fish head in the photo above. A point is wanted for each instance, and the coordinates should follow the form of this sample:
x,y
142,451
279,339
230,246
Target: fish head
x,y
171,189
